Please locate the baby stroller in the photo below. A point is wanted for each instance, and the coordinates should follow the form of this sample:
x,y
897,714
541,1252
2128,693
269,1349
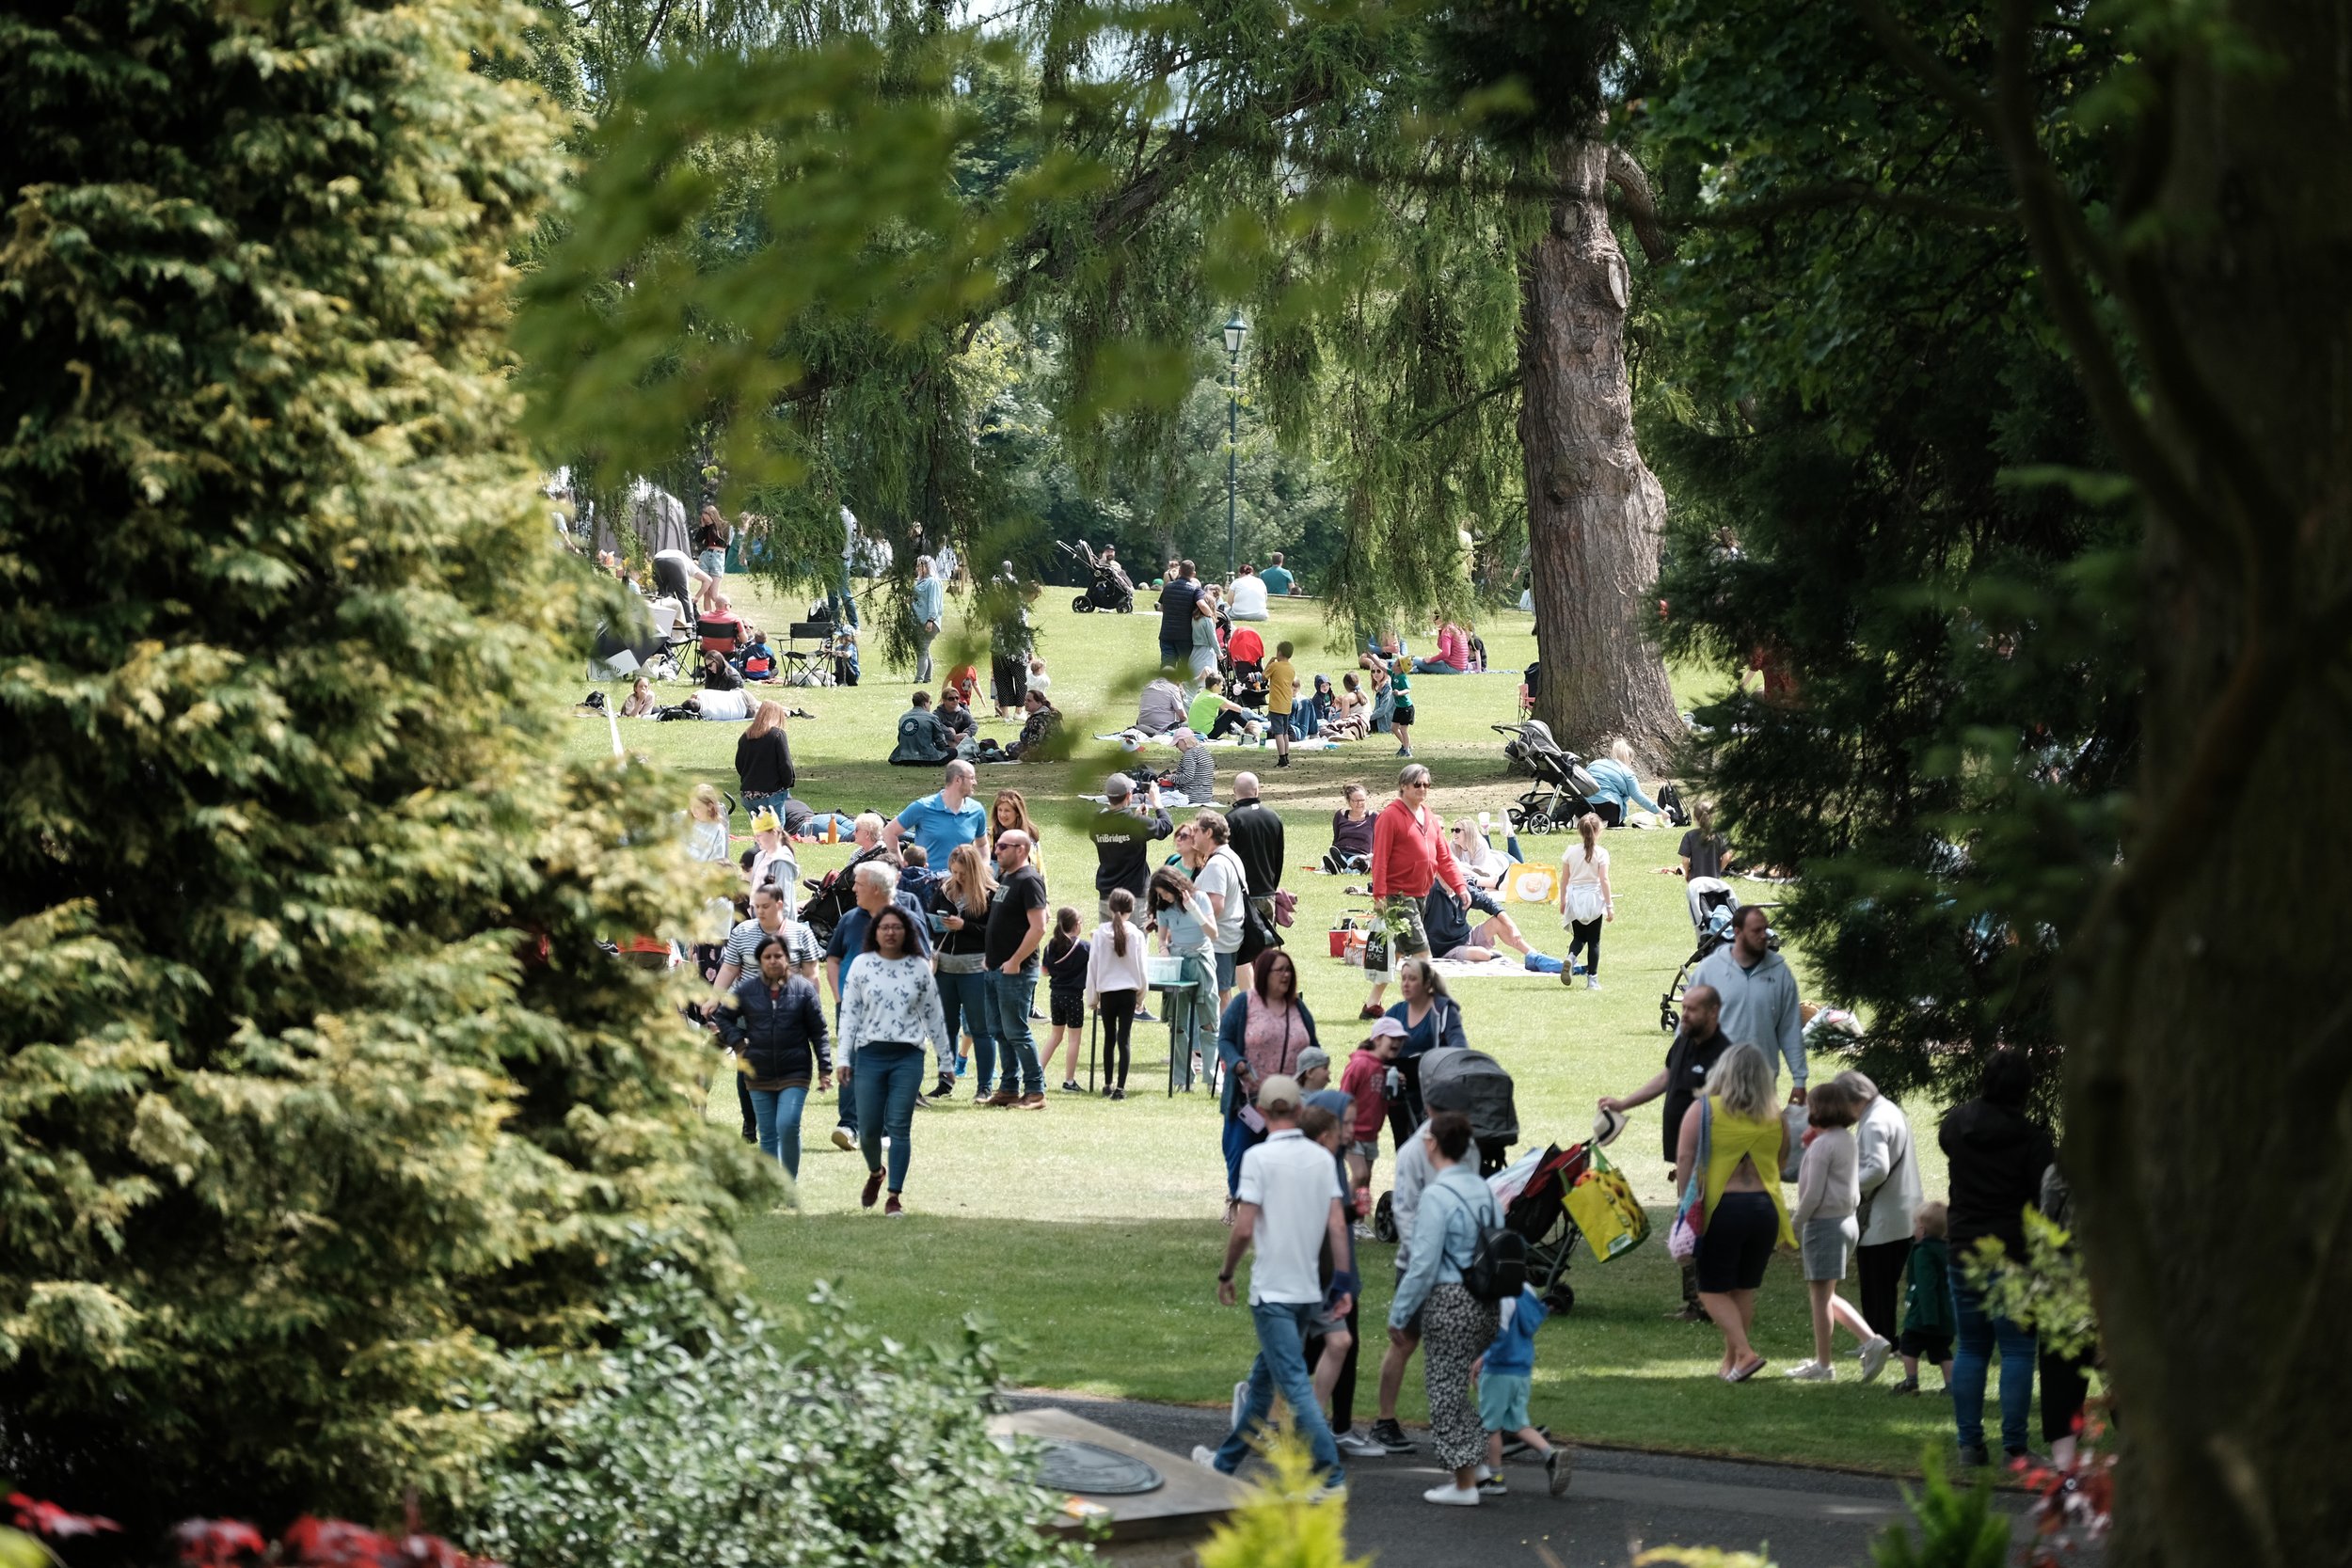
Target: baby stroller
x,y
1713,905
1563,790
1105,591
1537,1211
1476,1084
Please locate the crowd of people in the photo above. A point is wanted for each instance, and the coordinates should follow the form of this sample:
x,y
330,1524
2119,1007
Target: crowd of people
x,y
926,987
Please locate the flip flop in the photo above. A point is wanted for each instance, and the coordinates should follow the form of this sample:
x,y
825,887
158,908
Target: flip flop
x,y
1740,1374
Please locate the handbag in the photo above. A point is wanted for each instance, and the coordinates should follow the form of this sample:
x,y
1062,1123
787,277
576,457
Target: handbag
x,y
1682,1241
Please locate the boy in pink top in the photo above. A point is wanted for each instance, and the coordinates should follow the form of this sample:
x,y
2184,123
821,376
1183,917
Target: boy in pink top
x,y
1365,1082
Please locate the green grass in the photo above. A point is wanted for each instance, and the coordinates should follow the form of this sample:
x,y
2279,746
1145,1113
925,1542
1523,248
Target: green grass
x,y
1088,1234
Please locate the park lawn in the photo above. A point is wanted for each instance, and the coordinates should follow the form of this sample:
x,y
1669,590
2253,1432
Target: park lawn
x,y
1088,1234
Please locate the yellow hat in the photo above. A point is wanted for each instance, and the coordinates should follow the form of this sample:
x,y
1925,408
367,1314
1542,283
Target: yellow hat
x,y
766,823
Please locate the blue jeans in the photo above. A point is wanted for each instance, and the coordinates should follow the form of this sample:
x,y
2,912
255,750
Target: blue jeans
x,y
1238,1142
1282,1363
966,999
1013,995
1435,667
777,1114
886,1080
1175,655
1975,1333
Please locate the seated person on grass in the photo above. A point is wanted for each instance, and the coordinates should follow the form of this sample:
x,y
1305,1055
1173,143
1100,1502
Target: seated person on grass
x,y
955,715
1162,707
755,659
923,740
1039,717
1210,716
1195,774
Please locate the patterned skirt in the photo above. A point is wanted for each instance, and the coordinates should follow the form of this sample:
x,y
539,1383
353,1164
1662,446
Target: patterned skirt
x,y
1455,1329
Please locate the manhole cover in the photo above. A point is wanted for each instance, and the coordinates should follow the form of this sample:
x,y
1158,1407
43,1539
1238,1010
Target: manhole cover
x,y
1069,1466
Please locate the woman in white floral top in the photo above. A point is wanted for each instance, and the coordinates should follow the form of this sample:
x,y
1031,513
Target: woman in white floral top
x,y
889,1008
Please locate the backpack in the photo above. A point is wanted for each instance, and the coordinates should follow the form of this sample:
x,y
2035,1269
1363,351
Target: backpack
x,y
1670,806
1498,1265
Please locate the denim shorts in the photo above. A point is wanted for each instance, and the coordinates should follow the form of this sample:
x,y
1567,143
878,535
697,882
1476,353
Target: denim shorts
x,y
1227,965
1503,1400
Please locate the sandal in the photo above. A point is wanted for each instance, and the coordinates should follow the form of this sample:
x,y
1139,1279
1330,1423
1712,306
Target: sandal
x,y
1740,1374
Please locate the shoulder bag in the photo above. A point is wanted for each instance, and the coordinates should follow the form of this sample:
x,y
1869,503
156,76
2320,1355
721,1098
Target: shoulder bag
x,y
1691,1210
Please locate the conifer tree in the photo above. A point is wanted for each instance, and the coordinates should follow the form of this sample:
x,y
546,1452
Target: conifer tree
x,y
317,1095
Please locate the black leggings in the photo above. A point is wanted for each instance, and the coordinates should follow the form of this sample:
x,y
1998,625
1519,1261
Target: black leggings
x,y
1118,1022
1585,934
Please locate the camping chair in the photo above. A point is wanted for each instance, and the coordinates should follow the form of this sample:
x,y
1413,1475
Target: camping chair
x,y
810,667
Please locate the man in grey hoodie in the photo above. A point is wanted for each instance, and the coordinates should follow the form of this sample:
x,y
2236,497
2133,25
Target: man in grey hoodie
x,y
1758,994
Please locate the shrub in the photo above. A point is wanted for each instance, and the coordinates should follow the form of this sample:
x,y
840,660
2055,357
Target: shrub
x,y
1956,1530
713,1439
1281,1526
316,1094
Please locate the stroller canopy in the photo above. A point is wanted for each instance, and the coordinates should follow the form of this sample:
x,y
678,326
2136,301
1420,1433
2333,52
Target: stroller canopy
x,y
1476,1084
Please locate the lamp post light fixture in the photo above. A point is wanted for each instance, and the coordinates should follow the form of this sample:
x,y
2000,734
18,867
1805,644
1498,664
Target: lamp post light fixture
x,y
1235,331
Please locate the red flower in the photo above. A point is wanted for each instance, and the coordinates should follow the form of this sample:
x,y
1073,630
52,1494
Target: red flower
x,y
53,1522
216,1542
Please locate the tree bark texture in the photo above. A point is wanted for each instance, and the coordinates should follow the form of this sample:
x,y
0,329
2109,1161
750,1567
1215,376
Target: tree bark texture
x,y
1595,512
2209,1113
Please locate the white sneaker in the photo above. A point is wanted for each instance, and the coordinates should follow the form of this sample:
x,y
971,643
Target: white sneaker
x,y
1592,982
1874,1357
1812,1372
1336,1493
1356,1446
1363,1231
1204,1456
1451,1497
1241,1401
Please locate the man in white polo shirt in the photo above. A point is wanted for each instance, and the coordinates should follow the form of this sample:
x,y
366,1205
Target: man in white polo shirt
x,y
1289,1206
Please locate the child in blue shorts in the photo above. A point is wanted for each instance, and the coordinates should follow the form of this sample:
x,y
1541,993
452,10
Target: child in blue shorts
x,y
1506,1374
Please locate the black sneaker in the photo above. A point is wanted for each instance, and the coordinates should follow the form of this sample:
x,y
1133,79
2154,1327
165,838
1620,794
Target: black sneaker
x,y
1973,1457
1391,1437
945,1088
1513,1447
1908,1385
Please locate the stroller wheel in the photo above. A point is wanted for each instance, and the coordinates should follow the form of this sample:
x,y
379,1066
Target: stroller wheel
x,y
1082,604
1667,1020
1559,1299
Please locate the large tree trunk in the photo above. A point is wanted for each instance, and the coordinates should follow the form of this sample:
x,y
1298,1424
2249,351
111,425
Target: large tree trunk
x,y
2213,1161
1594,509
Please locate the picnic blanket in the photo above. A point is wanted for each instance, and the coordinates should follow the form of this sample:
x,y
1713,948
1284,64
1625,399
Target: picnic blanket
x,y
1137,739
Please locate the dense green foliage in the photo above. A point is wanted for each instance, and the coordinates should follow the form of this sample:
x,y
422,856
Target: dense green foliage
x,y
1879,406
317,1094
700,1437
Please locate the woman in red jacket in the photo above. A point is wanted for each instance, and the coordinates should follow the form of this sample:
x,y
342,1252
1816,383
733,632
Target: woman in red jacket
x,y
1409,856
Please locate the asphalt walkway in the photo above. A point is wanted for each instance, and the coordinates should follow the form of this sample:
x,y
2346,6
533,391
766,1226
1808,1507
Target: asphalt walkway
x,y
1620,1504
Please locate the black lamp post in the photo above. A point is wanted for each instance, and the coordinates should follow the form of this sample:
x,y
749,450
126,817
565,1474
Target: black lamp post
x,y
1235,331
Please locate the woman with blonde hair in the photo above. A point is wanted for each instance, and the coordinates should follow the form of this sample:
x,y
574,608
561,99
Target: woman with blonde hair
x,y
706,824
1585,900
1620,788
763,762
1738,1207
959,913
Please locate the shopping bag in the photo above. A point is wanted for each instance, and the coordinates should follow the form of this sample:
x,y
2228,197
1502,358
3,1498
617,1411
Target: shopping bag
x,y
1604,1208
1525,883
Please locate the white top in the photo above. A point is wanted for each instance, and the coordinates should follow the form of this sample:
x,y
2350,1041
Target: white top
x,y
1224,877
890,1000
1826,1188
734,706
1249,598
1574,867
1107,971
1888,1167
1293,1183
787,879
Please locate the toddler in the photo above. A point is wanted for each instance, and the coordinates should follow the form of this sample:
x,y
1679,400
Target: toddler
x,y
1927,1299
1365,1082
1506,1374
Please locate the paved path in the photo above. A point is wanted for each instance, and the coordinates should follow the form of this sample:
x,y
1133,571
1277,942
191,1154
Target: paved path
x,y
1621,1503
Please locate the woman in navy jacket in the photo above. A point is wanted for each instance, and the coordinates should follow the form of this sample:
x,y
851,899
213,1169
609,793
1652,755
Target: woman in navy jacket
x,y
776,1026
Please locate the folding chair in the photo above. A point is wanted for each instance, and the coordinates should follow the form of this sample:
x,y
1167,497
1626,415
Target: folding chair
x,y
813,667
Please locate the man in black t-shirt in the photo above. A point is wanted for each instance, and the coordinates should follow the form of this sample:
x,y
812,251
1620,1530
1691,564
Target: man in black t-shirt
x,y
1016,928
1123,834
1698,1045
1177,601
1257,829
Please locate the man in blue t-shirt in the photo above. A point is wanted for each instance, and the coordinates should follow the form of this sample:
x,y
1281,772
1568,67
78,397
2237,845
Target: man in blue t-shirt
x,y
942,821
1277,578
